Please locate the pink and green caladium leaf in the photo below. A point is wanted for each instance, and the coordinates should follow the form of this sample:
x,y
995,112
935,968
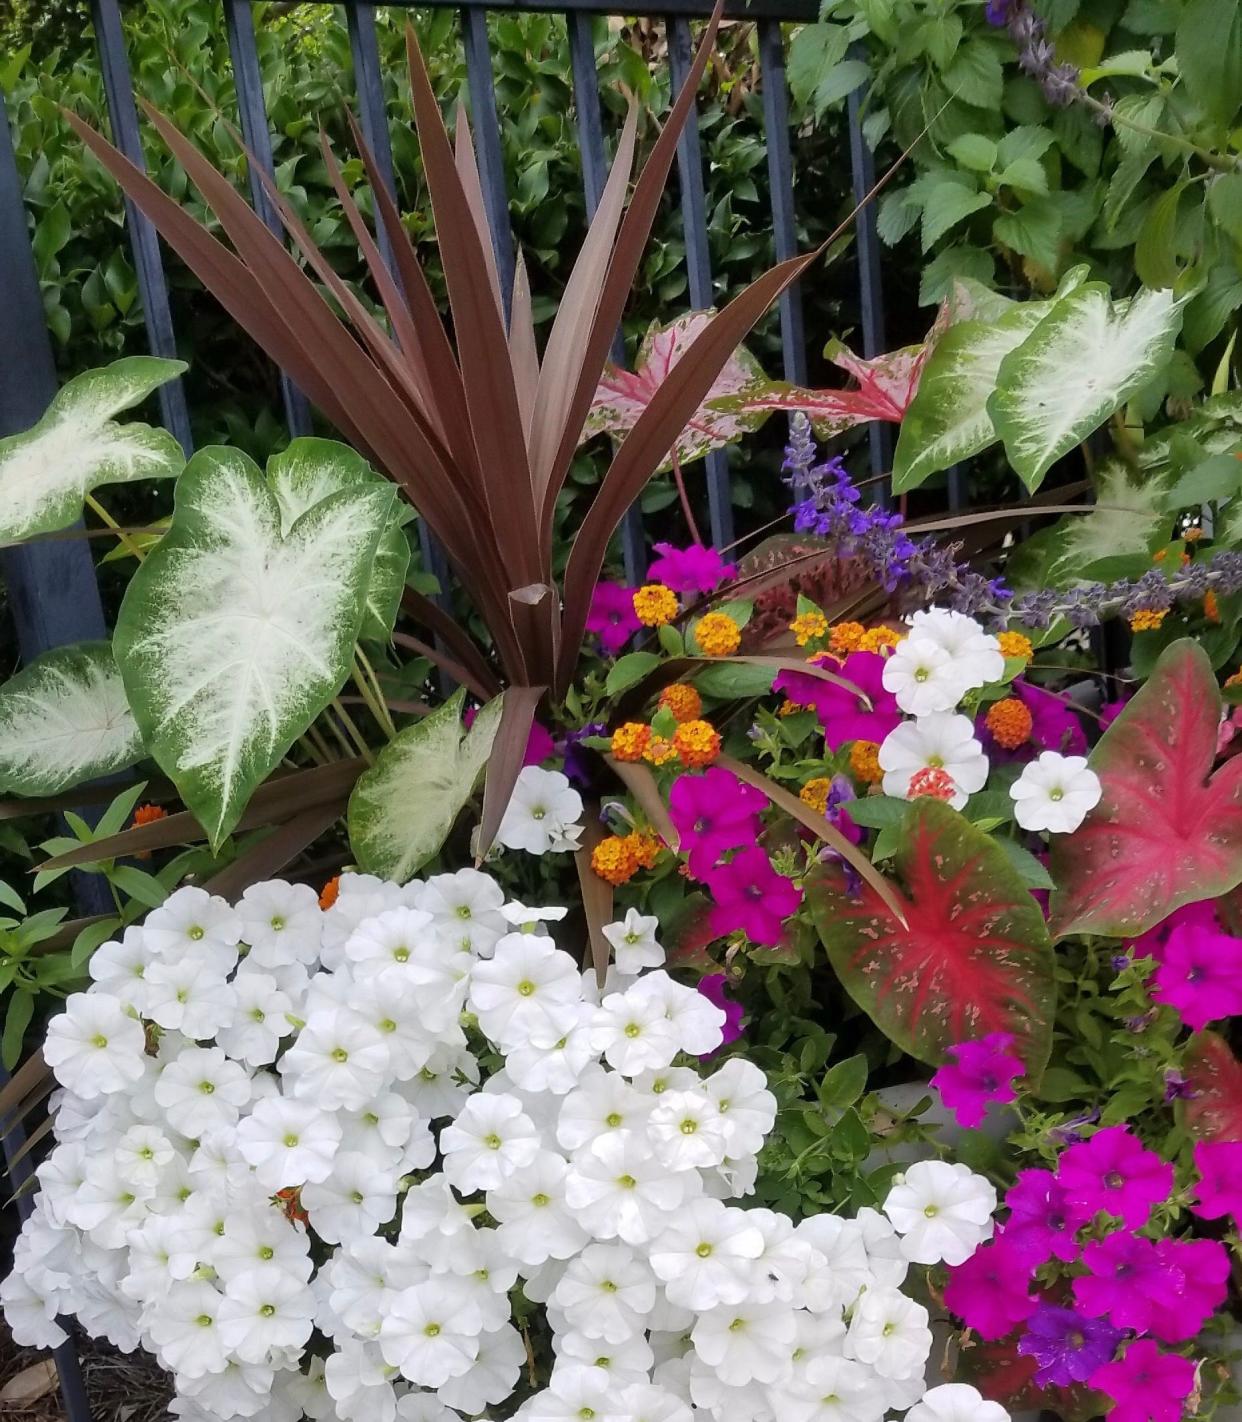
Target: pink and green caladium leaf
x,y
623,395
1214,1075
235,633
1167,831
975,957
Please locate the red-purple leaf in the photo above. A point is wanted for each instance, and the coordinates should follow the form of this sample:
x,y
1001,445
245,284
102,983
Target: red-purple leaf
x,y
1214,1074
1166,831
975,958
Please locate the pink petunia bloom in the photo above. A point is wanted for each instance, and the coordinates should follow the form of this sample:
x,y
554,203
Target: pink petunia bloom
x,y
1202,1265
976,1074
612,617
1128,1283
713,813
844,714
1146,1385
1200,974
691,569
750,895
1151,944
1042,1222
1114,1171
1054,724
991,1290
714,987
1219,1190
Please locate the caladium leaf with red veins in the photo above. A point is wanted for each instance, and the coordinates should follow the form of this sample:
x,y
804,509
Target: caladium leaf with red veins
x,y
623,395
975,958
1167,831
1214,1074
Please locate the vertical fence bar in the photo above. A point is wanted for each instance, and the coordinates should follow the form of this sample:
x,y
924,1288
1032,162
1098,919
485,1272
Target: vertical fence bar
x,y
594,176
144,244
487,143
248,81
698,259
870,282
780,183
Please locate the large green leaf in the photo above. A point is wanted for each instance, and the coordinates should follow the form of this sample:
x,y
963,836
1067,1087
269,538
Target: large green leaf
x,y
402,809
1084,360
46,472
311,470
65,719
233,636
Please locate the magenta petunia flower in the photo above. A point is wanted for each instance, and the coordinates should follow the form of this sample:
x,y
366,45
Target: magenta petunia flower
x,y
1200,974
991,1290
750,895
1146,1385
1128,1282
1054,725
713,813
1114,1171
1151,944
976,1074
691,569
714,987
1042,1221
612,617
844,714
1111,710
1068,1346
1202,1267
1219,1190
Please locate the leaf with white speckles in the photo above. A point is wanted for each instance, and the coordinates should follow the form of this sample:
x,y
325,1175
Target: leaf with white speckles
x,y
976,957
1164,834
1214,1110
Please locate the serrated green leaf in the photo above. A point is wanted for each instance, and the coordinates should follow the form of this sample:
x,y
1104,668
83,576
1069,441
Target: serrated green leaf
x,y
1025,141
974,151
232,638
1155,252
1024,864
65,719
1028,176
1208,46
946,205
46,472
976,75
629,670
878,811
1217,477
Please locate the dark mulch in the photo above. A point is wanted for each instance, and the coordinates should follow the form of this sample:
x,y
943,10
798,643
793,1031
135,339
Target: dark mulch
x,y
121,1387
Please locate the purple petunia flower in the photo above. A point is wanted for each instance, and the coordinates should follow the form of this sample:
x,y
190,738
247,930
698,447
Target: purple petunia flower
x,y
1146,1385
1042,1221
612,617
845,715
694,569
713,813
991,1290
977,1073
750,895
1128,1282
1067,1345
714,987
1114,1171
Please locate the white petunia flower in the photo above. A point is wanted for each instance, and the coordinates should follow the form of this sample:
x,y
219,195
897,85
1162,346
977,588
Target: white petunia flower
x,y
353,1201
746,1342
94,1046
491,1377
634,1034
289,1142
942,1210
491,1137
190,997
185,1330
281,922
536,1220
261,1014
201,1090
923,677
608,1291
336,1061
889,1332
264,1309
543,813
687,1131
706,1256
192,923
1055,793
633,941
623,1190
977,657
937,742
834,1389
465,910
119,968
956,1402
527,992
431,1332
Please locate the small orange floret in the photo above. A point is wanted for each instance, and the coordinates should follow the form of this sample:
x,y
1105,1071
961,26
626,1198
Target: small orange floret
x,y
289,1201
148,814
1147,619
683,701
1015,644
1193,534
614,859
1211,607
697,743
808,626
717,634
845,637
654,604
630,740
329,893
790,708
647,847
815,793
865,763
1236,678
932,783
878,639
659,750
1159,555
1010,722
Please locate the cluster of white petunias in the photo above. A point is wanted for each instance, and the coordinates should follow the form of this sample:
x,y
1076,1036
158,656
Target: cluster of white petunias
x,y
945,656
312,1161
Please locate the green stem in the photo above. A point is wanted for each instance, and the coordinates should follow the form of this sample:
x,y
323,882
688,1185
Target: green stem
x,y
105,517
360,746
1205,155
367,683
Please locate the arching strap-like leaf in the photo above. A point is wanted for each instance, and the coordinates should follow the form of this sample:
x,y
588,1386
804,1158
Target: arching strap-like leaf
x,y
65,719
402,809
46,472
1213,1112
974,956
311,470
1084,360
233,636
1164,834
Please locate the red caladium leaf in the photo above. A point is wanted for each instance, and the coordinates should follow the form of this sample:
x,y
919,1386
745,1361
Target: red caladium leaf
x,y
1004,1375
976,957
1166,832
1214,1074
623,395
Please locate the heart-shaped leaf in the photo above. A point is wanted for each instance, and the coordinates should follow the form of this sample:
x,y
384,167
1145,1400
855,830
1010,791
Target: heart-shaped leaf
x,y
311,470
974,958
402,809
1214,1111
233,636
1083,361
46,472
1164,834
65,719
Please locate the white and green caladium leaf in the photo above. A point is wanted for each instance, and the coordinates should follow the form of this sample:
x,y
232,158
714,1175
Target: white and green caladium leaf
x,y
234,635
1083,361
311,470
65,719
47,471
402,809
